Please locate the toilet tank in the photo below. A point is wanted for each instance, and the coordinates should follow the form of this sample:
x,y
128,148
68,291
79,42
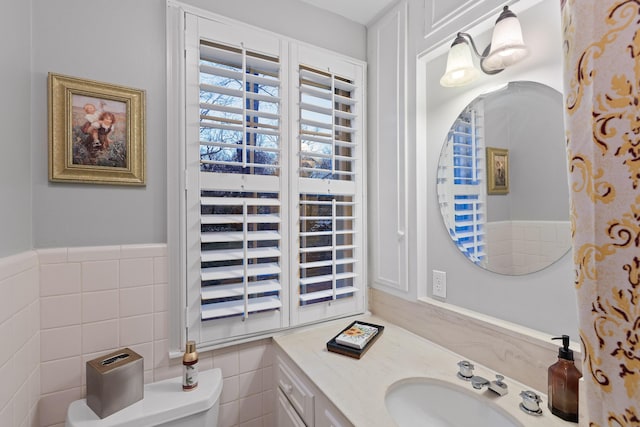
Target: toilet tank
x,y
164,404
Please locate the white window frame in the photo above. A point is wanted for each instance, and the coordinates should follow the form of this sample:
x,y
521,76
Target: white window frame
x,y
177,180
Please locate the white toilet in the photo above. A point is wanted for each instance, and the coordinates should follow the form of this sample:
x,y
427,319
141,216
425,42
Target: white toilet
x,y
164,404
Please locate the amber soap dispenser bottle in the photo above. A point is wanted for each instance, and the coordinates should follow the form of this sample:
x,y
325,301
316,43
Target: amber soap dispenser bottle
x,y
563,384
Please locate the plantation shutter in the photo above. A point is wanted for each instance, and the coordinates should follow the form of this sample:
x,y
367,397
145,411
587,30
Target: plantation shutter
x,y
329,226
238,209
273,218
468,193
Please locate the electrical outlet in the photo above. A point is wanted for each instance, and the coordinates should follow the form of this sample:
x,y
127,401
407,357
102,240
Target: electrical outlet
x,y
439,284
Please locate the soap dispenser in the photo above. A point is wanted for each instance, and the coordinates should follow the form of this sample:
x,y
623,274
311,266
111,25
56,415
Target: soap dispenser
x,y
563,384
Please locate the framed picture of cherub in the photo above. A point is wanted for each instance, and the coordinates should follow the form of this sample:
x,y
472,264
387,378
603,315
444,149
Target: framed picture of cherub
x,y
96,132
497,170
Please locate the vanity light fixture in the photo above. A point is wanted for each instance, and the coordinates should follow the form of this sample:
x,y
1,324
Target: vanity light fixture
x,y
506,48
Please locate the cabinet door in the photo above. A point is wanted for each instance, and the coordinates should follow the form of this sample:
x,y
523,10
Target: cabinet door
x,y
286,416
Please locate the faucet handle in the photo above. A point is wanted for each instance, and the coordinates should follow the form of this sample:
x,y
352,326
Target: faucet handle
x,y
466,370
499,386
530,403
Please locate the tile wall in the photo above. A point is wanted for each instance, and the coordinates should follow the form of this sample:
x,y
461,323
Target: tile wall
x,y
96,300
19,340
518,247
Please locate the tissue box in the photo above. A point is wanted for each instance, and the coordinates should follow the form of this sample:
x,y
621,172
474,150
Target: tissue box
x,y
114,381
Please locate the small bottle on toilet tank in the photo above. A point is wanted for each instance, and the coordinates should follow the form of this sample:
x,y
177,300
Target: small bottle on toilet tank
x,y
190,367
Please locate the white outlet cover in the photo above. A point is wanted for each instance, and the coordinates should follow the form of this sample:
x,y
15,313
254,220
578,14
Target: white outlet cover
x,y
439,286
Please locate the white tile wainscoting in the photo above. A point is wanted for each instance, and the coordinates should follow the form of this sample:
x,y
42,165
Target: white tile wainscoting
x,y
519,247
19,340
61,307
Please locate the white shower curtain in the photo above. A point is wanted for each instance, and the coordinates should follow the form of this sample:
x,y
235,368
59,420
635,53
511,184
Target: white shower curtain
x,y
602,113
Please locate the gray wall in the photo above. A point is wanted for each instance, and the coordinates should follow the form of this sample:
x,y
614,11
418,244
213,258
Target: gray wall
x,y
120,42
15,128
527,119
544,300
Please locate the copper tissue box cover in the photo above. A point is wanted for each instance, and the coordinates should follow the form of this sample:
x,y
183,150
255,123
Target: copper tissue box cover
x,y
114,381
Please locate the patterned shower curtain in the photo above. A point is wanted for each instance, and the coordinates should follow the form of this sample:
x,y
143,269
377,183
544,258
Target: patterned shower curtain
x,y
602,109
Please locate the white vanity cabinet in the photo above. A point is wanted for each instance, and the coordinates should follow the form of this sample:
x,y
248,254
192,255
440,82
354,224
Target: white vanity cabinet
x,y
299,402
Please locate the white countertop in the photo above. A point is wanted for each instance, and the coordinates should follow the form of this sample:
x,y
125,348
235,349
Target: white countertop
x,y
397,355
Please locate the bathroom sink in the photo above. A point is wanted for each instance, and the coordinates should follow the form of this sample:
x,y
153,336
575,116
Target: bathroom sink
x,y
434,403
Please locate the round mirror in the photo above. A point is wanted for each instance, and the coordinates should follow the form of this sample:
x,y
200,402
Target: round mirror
x,y
502,180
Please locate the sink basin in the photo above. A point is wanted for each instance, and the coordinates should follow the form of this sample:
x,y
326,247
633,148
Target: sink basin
x,y
434,403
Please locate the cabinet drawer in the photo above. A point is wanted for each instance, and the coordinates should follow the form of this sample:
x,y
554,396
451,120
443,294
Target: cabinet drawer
x,y
286,416
296,391
329,417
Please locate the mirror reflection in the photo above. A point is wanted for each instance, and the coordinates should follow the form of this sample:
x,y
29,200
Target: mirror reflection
x,y
502,181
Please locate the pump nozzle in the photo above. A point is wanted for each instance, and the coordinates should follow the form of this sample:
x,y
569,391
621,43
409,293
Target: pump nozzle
x,y
564,352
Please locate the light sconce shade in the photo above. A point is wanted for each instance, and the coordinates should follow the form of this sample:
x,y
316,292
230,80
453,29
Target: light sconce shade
x,y
507,48
460,68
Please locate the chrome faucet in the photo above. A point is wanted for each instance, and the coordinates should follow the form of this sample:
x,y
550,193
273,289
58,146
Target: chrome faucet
x,y
466,370
478,382
497,386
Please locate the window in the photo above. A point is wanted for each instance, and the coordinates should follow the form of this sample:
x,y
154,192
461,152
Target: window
x,y
271,208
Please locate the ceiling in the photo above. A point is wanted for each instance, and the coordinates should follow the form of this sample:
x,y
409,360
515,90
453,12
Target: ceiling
x,y
362,11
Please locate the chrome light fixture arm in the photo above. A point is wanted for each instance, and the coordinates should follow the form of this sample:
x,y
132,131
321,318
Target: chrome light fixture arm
x,y
462,37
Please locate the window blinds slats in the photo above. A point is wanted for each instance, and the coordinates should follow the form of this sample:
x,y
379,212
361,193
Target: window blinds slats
x,y
328,125
239,106
238,219
327,248
325,233
236,110
317,171
327,263
238,272
237,308
320,218
324,79
237,164
231,255
238,93
234,146
316,108
327,95
319,128
237,289
259,130
324,155
239,236
237,201
242,184
323,295
232,56
326,278
237,75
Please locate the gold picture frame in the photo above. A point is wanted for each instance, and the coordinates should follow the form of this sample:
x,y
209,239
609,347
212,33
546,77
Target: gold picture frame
x,y
497,170
96,132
